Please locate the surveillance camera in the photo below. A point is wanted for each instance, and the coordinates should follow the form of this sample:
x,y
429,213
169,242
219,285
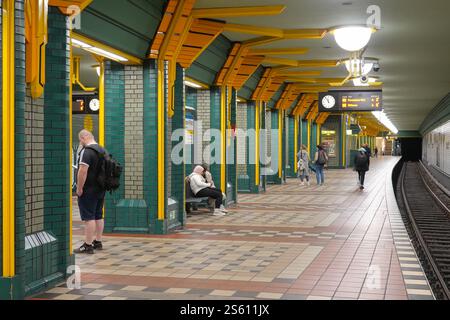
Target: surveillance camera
x,y
376,67
364,79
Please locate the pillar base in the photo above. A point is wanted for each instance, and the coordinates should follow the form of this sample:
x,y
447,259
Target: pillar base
x,y
12,288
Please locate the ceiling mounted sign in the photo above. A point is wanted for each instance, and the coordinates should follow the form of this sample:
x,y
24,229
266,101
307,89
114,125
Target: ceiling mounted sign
x,y
350,101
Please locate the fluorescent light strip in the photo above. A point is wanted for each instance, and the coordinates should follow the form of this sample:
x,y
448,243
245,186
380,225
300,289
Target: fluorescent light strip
x,y
382,117
108,54
98,51
192,85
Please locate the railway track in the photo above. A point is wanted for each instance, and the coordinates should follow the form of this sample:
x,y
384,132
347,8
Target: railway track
x,y
425,206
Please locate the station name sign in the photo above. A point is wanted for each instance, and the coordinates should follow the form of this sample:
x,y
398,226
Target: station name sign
x,y
350,101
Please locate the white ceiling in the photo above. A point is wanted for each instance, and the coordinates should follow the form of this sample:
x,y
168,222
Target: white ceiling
x,y
411,45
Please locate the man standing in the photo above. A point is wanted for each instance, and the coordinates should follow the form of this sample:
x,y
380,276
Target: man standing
x,y
90,194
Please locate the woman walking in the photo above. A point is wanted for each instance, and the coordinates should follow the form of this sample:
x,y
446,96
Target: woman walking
x,y
303,166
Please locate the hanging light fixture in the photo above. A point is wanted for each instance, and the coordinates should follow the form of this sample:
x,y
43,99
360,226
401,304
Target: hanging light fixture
x,y
352,38
358,67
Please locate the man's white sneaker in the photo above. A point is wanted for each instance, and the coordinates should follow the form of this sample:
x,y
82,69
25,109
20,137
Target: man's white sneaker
x,y
302,184
217,212
222,208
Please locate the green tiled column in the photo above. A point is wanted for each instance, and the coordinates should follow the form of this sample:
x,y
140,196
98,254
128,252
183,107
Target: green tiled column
x,y
215,111
313,139
232,152
114,134
290,170
251,168
275,178
151,147
176,212
13,288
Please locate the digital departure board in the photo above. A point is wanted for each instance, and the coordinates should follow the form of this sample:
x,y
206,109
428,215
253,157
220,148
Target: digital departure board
x,y
350,101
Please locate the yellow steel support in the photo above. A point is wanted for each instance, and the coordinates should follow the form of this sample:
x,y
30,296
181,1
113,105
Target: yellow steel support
x,y
280,143
161,110
101,93
263,31
161,141
223,137
308,123
279,51
238,11
296,119
36,15
8,152
257,140
71,151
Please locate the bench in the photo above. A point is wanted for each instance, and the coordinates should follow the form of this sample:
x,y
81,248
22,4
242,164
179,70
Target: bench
x,y
192,201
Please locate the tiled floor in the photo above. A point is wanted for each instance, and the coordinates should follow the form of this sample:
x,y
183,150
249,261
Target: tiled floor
x,y
301,243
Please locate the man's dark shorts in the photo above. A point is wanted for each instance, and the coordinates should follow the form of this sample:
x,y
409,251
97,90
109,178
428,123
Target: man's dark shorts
x,y
91,206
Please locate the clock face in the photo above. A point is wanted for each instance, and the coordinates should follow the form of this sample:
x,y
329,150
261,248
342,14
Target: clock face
x,y
94,105
328,101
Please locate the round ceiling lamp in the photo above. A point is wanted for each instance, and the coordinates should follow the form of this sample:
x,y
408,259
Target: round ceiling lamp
x,y
352,38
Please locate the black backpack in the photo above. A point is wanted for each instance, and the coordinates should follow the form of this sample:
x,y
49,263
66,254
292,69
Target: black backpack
x,y
321,159
361,160
108,170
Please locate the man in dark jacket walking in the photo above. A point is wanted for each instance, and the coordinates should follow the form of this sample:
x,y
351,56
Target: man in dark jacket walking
x,y
361,166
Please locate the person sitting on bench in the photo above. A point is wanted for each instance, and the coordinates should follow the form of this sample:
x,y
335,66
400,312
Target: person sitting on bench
x,y
201,188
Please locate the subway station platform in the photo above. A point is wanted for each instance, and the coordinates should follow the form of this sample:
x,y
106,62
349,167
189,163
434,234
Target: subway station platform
x,y
293,242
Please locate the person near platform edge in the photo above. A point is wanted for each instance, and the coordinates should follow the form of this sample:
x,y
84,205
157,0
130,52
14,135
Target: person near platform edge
x,y
201,188
362,165
90,194
303,165
320,160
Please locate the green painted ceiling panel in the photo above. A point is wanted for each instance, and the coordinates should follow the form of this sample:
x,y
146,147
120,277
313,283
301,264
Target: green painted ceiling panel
x,y
249,87
128,25
211,61
276,96
438,116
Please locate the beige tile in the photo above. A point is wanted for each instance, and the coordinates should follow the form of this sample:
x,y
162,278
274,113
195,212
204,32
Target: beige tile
x,y
134,288
419,292
177,290
269,295
103,293
224,293
67,297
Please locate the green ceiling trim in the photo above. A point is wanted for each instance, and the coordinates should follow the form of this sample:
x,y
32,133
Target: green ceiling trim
x,y
127,25
211,61
409,134
273,101
250,85
437,117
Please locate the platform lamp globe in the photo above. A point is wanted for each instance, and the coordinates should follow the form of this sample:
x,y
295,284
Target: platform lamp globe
x,y
353,38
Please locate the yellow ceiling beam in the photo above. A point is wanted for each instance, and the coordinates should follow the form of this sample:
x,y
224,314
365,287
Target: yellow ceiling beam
x,y
64,4
259,41
282,61
300,73
238,11
279,51
318,63
263,31
301,63
316,80
304,33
